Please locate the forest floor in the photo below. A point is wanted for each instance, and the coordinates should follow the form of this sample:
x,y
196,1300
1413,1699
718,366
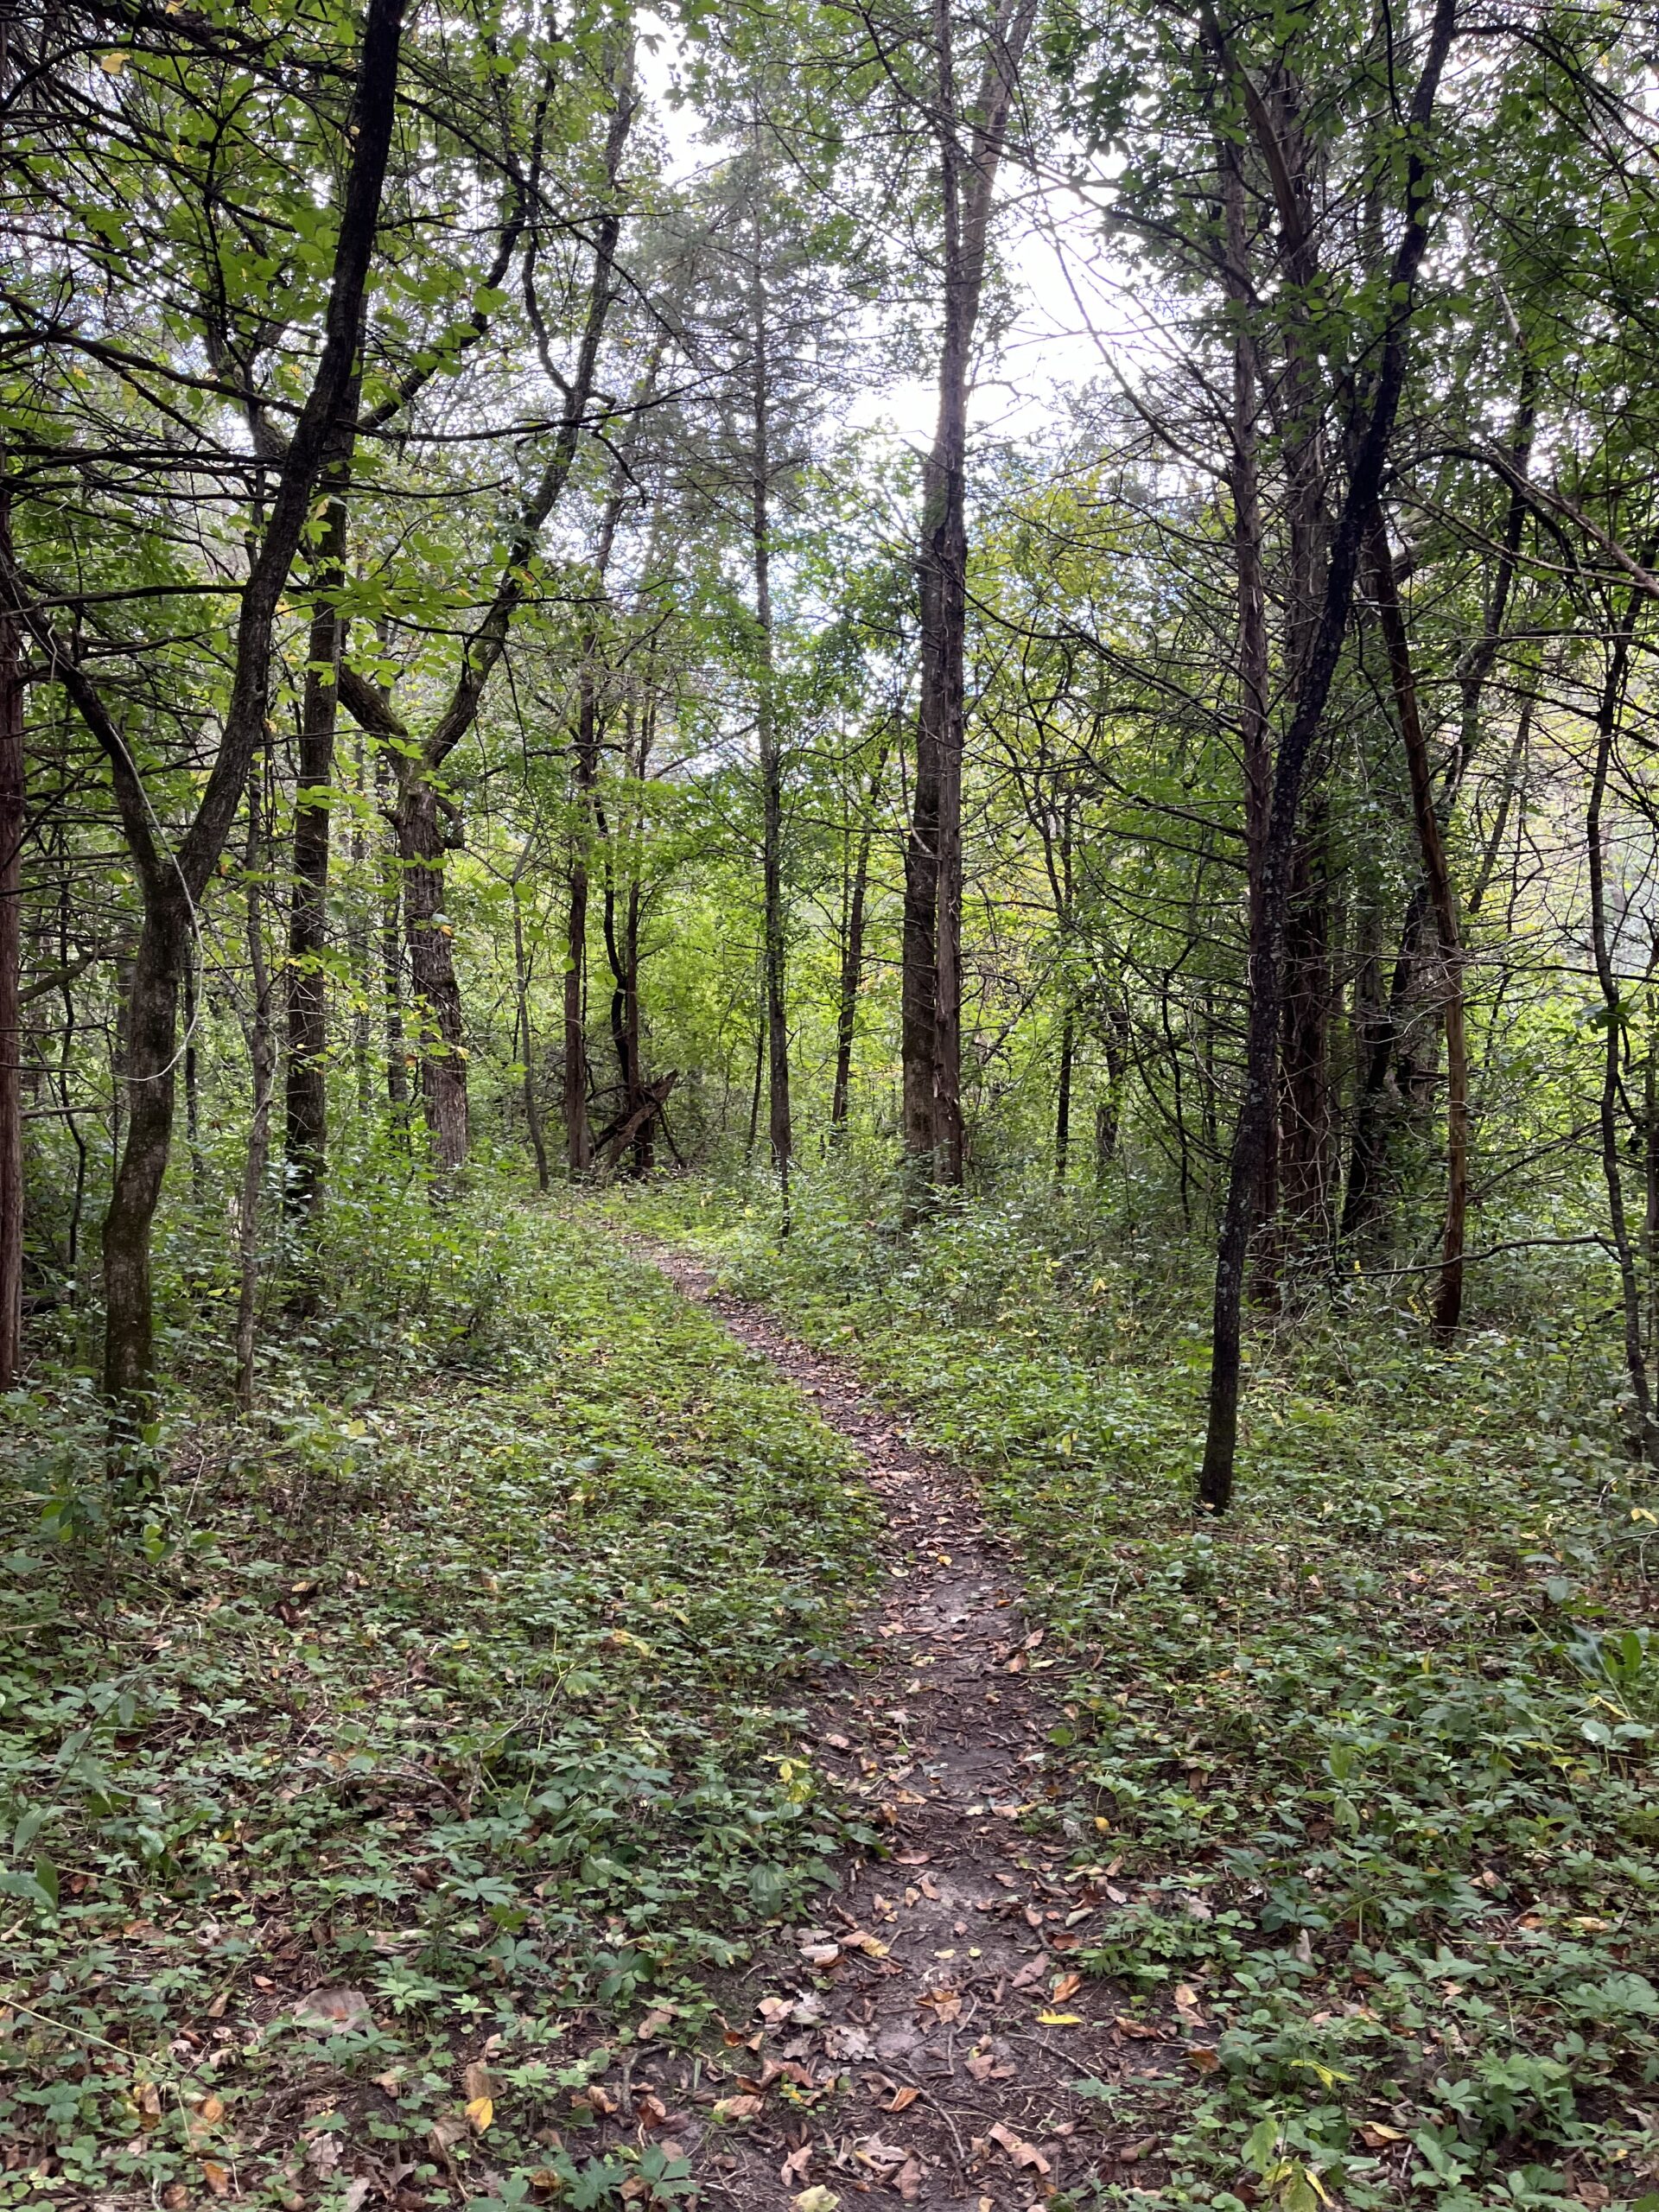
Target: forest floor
x,y
602,1736
937,2043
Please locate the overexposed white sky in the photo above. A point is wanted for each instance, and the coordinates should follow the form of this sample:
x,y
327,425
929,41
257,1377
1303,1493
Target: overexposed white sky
x,y
1051,245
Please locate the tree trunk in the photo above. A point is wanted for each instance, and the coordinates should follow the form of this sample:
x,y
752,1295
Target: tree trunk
x,y
931,1019
11,940
1448,1296
852,959
435,990
171,883
150,1031
578,1139
1215,1486
526,1035
263,1056
1062,1099
1645,1437
392,962
307,1098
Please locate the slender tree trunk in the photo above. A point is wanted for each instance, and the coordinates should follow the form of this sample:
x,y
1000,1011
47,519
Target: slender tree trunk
x,y
760,1073
306,1090
434,988
263,1055
1448,1296
1062,1099
578,1136
192,1073
1108,1107
1645,1438
852,958
364,979
392,969
526,1035
931,993
12,822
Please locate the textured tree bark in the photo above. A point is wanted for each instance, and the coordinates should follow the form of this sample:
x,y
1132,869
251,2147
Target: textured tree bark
x,y
1448,1295
391,967
306,1091
12,823
434,988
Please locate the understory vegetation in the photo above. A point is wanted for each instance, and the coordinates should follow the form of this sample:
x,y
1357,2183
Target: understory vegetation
x,y
1365,1774
460,1691
995,659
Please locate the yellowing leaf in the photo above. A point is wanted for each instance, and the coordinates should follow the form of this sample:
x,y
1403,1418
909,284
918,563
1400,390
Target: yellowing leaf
x,y
112,65
480,2111
1061,2020
817,2199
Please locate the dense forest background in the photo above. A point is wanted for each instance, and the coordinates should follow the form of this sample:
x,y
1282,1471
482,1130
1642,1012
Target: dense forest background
x,y
992,661
488,676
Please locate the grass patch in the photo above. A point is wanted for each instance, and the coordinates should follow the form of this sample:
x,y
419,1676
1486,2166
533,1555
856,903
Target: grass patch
x,y
461,1682
1365,1773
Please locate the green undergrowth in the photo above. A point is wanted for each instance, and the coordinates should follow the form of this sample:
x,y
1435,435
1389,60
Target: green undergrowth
x,y
461,1681
1364,1770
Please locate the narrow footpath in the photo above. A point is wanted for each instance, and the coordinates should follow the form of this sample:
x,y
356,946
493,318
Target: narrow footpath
x,y
921,2042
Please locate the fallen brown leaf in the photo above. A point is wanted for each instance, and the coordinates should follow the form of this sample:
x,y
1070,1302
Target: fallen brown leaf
x,y
1023,2154
739,2107
903,2099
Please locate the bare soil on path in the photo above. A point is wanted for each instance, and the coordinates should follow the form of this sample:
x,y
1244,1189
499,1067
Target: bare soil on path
x,y
918,2044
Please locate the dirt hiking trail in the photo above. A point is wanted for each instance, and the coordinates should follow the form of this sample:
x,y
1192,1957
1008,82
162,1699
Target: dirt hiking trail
x,y
919,2045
